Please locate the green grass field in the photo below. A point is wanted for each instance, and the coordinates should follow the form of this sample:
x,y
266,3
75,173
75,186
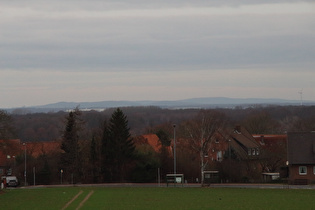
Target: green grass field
x,y
157,198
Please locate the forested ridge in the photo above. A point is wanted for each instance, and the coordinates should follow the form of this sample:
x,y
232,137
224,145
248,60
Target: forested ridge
x,y
142,120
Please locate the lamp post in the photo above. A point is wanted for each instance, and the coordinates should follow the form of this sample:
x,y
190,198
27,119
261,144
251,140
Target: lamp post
x,y
174,126
24,164
13,169
61,171
34,174
229,160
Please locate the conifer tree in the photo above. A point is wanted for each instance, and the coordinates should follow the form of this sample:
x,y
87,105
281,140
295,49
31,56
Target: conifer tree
x,y
107,151
6,128
117,147
93,159
70,158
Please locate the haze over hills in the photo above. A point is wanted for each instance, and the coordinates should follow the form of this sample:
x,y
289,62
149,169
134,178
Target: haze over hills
x,y
211,102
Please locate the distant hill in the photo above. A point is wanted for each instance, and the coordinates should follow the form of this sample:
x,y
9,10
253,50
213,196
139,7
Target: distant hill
x,y
211,102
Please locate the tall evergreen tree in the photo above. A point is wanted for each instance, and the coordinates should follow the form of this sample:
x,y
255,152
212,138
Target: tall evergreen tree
x,y
94,159
108,152
70,158
6,125
117,147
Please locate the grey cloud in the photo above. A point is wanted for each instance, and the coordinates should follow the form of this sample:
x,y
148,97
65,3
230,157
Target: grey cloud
x,y
81,50
132,4
189,42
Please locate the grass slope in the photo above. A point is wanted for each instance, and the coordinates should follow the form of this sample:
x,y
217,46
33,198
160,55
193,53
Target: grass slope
x,y
158,198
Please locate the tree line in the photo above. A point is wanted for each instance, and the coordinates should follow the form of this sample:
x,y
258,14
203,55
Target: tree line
x,y
100,146
277,119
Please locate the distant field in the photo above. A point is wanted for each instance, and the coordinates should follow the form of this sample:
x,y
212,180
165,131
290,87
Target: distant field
x,y
157,198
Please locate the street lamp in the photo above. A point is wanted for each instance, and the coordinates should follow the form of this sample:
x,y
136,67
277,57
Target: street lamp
x,y
61,171
24,144
229,160
174,126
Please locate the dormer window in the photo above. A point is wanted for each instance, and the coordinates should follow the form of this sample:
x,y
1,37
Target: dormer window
x,y
253,151
262,140
217,141
257,151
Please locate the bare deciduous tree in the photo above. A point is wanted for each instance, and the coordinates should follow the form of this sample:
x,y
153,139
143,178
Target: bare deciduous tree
x,y
261,123
198,133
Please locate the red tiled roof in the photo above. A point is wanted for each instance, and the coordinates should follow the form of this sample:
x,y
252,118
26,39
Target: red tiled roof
x,y
154,141
8,149
271,141
41,148
151,140
262,137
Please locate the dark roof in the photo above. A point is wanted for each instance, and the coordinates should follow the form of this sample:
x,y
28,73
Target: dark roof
x,y
301,148
241,135
241,141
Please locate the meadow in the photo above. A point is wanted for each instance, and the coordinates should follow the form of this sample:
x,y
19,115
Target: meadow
x,y
156,198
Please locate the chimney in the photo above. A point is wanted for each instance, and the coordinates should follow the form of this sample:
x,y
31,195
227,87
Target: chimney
x,y
262,140
238,128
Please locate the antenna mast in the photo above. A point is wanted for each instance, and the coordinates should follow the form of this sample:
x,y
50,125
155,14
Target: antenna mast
x,y
301,96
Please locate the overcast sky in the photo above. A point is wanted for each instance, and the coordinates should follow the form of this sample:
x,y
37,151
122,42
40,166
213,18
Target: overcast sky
x,y
95,50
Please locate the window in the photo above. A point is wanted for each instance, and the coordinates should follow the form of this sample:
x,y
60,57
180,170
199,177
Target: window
x,y
249,151
314,169
302,170
216,140
257,151
219,156
254,151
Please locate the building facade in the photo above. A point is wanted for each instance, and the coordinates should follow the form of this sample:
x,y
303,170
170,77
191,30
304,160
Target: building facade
x,y
301,157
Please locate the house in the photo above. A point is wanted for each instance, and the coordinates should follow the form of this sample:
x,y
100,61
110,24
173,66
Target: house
x,y
273,154
301,157
219,146
235,153
9,150
244,144
237,140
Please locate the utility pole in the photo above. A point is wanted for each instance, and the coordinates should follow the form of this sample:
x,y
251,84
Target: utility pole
x,y
174,126
301,96
24,164
34,174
